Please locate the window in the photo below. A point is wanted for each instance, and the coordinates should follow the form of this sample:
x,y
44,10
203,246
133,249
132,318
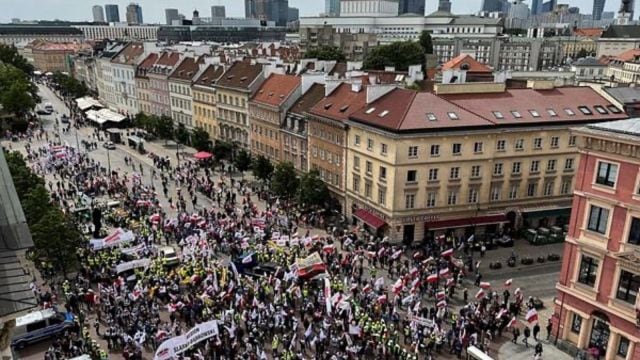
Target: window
x,y
566,187
383,173
634,232
431,117
413,151
356,140
454,173
356,184
513,192
552,112
495,193
382,196
473,196
535,166
607,174
569,112
537,143
412,176
409,201
515,167
534,113
628,287
369,144
555,141
477,147
367,189
551,165
598,218
623,347
457,149
433,174
452,197
435,150
516,114
498,115
614,109
576,323
37,325
383,149
585,110
572,140
497,169
475,171
548,189
453,116
568,164
368,167
519,144
356,163
532,188
500,145
431,199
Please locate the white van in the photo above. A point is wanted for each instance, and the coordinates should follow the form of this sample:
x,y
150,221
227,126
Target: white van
x,y
48,108
40,325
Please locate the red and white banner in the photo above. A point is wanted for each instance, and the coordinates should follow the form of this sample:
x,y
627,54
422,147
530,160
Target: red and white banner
x,y
175,346
532,316
508,283
485,285
480,294
327,295
116,238
447,253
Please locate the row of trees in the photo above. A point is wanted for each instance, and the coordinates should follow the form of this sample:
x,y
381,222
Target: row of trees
x,y
163,127
56,237
69,86
18,95
307,189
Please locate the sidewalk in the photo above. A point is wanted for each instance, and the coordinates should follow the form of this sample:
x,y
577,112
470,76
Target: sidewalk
x,y
511,351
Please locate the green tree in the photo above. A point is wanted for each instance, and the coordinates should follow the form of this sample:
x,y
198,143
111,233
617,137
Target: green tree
x,y
181,134
284,181
56,239
36,204
425,42
17,94
313,191
200,139
582,53
399,55
163,127
9,55
262,168
325,53
222,150
242,161
23,178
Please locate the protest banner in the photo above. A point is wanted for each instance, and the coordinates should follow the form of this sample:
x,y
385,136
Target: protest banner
x,y
129,265
175,346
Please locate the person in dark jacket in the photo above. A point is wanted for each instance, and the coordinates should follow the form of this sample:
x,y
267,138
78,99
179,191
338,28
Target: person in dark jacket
x,y
527,333
536,331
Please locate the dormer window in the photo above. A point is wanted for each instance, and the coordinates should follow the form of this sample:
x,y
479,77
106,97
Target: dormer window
x,y
534,113
516,114
600,109
552,112
384,113
569,112
371,110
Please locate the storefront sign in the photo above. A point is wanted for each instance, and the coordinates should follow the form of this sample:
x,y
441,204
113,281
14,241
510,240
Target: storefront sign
x,y
418,219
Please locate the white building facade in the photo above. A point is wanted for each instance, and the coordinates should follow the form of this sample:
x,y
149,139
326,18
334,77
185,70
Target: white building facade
x,y
369,7
119,31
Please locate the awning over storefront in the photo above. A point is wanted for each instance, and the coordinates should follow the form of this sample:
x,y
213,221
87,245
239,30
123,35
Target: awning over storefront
x,y
546,212
369,218
105,115
458,223
87,102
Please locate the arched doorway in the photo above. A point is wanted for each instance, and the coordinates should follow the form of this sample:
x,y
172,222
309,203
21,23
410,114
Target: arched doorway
x,y
600,332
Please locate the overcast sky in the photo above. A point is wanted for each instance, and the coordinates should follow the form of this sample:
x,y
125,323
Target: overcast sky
x,y
153,10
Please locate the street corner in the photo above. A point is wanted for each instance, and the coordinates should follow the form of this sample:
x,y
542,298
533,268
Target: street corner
x,y
511,351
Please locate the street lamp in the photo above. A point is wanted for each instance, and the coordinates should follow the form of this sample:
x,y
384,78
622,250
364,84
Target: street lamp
x,y
109,162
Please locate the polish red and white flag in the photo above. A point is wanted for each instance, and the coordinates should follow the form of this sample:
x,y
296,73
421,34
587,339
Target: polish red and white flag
x,y
532,316
480,294
485,285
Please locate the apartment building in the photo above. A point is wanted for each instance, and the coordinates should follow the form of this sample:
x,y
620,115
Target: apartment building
x,y
159,84
104,74
180,82
617,39
470,158
234,90
294,131
119,31
51,56
267,112
598,304
204,100
143,90
84,69
123,67
625,68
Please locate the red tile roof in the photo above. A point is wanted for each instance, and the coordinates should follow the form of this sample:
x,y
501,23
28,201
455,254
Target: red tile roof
x,y
536,106
129,54
187,69
240,75
210,75
591,32
466,62
168,58
149,61
276,89
341,103
407,110
629,55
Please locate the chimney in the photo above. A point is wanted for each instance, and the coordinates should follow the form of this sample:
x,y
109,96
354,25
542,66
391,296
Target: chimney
x,y
375,92
356,86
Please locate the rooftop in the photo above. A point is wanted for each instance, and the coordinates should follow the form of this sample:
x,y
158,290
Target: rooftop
x,y
58,46
626,130
277,89
465,62
629,55
590,32
38,30
622,32
341,103
309,99
210,75
240,75
147,63
590,61
625,95
129,54
187,69
168,58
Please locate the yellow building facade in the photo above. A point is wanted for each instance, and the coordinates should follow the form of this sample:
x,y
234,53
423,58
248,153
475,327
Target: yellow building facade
x,y
204,100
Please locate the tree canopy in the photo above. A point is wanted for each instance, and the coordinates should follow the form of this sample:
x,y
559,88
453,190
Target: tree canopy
x,y
9,55
284,181
200,139
399,55
242,161
262,168
325,53
18,94
70,86
313,191
425,42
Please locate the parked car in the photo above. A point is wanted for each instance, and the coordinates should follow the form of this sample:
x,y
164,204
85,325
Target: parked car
x,y
40,325
109,145
64,119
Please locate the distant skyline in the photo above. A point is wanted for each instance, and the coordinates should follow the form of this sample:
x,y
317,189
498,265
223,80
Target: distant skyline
x,y
153,10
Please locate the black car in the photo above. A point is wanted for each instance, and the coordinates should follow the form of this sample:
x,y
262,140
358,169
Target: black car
x,y
64,119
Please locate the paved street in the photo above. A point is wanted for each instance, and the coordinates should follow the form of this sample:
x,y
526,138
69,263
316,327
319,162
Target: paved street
x,y
536,280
